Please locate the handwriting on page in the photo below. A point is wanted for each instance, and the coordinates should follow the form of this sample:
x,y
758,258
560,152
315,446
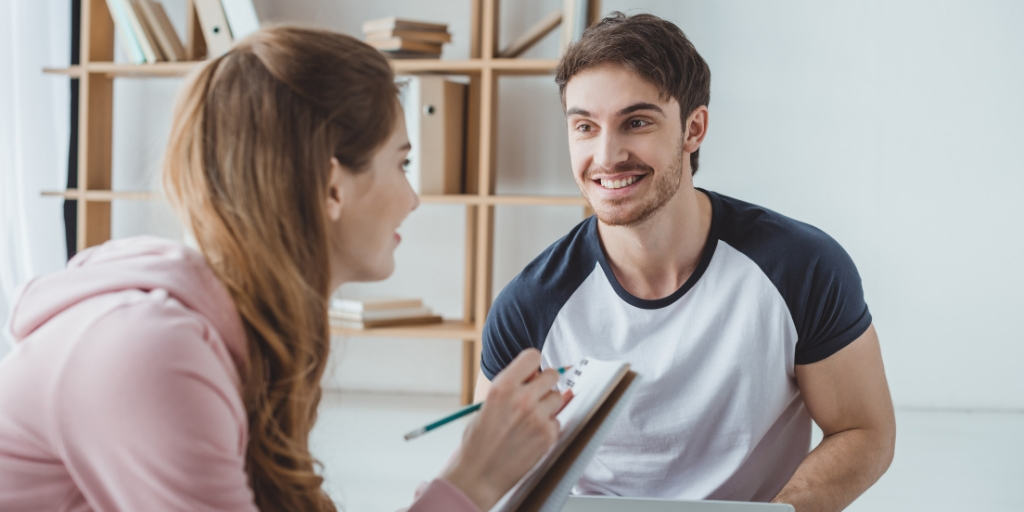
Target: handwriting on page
x,y
570,380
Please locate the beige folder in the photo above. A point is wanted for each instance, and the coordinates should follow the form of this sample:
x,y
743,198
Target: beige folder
x,y
162,29
435,110
142,33
216,32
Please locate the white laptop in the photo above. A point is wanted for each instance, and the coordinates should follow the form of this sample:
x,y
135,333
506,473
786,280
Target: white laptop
x,y
617,504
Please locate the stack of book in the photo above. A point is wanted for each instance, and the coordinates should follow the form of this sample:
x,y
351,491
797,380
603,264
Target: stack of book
x,y
367,313
402,38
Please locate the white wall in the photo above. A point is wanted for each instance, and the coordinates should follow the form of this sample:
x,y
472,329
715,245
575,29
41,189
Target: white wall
x,y
891,125
33,145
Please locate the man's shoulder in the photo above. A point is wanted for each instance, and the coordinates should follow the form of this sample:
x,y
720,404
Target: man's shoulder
x,y
811,271
562,265
770,238
526,308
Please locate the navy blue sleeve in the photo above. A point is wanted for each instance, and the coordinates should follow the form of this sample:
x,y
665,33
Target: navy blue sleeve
x,y
524,311
829,310
812,272
506,332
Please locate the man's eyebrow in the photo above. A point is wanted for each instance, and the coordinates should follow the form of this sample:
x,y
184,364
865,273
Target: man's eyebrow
x,y
628,110
406,147
641,106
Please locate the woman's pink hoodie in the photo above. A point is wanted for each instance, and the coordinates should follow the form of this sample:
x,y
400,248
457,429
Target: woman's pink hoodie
x,y
122,389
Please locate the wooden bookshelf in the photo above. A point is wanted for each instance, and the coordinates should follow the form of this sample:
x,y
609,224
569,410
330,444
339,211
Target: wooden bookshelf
x,y
97,71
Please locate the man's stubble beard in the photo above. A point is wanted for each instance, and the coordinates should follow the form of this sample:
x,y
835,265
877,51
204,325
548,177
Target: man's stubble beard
x,y
666,184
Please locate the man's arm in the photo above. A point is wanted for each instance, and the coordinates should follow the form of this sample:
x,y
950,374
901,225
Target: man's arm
x,y
483,384
848,397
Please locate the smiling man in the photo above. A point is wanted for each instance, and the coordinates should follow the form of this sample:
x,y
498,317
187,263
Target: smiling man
x,y
742,324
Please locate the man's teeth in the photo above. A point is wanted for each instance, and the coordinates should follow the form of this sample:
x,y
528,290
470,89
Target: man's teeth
x,y
606,183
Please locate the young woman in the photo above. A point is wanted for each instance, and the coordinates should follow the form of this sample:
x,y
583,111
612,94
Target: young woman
x,y
150,376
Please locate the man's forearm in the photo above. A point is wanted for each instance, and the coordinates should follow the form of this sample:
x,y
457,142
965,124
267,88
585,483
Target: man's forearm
x,y
842,467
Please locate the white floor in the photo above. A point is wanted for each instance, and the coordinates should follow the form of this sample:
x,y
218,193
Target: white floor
x,y
945,461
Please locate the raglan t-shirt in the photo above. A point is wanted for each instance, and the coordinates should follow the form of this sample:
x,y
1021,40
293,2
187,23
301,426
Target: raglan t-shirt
x,y
716,412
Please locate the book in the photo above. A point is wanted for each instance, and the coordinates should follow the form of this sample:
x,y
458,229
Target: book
x,y
599,390
241,16
398,54
390,322
395,23
145,33
576,15
405,45
426,36
531,36
216,31
382,314
126,35
162,29
435,121
374,304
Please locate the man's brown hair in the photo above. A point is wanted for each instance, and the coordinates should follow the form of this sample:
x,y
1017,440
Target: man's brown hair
x,y
651,47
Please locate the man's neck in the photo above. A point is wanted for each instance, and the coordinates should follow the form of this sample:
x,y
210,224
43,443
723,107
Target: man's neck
x,y
653,259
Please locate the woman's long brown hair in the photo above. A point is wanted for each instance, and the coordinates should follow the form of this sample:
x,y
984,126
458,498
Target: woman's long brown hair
x,y
247,168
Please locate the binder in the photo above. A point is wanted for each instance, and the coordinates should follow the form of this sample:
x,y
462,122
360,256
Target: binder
x,y
119,12
216,31
241,16
162,29
435,120
144,32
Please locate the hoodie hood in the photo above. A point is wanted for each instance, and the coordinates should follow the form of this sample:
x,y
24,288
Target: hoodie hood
x,y
143,263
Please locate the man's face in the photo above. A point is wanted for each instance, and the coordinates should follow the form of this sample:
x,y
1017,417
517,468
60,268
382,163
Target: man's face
x,y
625,143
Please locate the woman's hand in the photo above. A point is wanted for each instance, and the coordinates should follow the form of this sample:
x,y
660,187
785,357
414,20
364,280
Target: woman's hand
x,y
515,427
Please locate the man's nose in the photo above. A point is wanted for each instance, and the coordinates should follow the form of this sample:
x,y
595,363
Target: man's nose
x,y
609,151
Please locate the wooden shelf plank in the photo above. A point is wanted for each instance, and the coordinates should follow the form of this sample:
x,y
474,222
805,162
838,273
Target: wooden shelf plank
x,y
448,329
473,199
441,66
535,200
157,69
523,66
101,195
444,66
74,71
460,199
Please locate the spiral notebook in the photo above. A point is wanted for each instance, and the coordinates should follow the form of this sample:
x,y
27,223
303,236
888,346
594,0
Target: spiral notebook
x,y
599,389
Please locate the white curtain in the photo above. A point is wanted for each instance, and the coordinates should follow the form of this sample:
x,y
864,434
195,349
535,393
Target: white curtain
x,y
34,121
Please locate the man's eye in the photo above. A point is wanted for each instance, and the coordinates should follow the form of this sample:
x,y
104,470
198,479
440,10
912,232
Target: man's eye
x,y
638,123
583,127
405,165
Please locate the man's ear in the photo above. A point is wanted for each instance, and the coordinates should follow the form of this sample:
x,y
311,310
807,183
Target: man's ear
x,y
695,129
335,189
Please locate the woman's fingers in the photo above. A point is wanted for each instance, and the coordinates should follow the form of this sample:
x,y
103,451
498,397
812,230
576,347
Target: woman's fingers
x,y
520,369
550,404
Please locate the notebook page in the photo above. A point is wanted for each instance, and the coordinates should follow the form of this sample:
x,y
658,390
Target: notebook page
x,y
591,381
